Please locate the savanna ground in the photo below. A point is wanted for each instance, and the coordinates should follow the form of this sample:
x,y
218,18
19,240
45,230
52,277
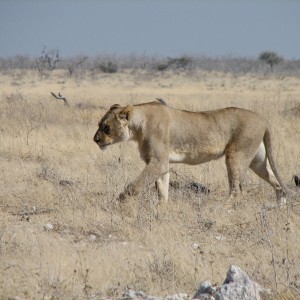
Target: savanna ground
x,y
60,235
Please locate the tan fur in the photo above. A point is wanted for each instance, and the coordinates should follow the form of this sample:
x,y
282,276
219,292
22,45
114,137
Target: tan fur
x,y
166,135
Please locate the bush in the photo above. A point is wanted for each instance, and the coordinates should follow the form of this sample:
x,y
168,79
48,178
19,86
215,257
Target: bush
x,y
177,63
110,67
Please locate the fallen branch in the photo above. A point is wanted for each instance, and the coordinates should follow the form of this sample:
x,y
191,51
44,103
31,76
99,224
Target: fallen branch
x,y
60,97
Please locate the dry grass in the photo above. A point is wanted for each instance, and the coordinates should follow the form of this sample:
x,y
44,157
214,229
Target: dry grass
x,y
52,172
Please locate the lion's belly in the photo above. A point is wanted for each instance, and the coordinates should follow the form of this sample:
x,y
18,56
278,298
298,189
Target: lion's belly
x,y
177,157
192,158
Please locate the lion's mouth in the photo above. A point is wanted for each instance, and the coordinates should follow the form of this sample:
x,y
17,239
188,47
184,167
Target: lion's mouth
x,y
103,146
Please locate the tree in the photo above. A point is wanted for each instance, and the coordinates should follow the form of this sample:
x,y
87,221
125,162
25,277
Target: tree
x,y
270,58
48,60
75,63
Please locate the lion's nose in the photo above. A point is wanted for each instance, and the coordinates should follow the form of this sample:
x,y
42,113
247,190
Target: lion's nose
x,y
96,138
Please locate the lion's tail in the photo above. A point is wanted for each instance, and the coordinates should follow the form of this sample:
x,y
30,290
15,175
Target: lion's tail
x,y
268,146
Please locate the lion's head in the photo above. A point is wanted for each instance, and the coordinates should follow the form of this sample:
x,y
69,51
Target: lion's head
x,y
113,127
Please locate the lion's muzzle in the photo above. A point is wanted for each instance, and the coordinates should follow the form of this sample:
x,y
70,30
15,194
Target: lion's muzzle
x,y
100,142
97,140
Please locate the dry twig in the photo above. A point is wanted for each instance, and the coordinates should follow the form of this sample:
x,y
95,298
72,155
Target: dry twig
x,y
60,97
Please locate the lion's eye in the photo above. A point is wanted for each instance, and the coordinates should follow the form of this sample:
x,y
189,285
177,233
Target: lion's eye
x,y
106,129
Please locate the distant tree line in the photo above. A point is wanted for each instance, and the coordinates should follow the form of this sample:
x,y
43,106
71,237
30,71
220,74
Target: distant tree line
x,y
49,60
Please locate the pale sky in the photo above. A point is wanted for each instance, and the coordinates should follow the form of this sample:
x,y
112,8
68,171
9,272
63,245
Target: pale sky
x,y
151,27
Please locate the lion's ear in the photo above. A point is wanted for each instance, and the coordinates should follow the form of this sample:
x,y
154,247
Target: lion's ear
x,y
115,106
126,113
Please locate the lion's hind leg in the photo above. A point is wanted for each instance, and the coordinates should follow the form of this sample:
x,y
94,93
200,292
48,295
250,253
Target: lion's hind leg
x,y
237,163
236,172
260,165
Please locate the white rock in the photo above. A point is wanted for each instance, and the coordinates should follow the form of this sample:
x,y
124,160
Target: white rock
x,y
93,237
195,246
48,227
220,238
237,285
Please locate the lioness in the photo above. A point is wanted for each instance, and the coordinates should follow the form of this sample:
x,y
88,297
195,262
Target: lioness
x,y
166,135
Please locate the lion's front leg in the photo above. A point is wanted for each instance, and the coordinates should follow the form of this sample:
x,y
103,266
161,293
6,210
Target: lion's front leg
x,y
132,190
129,191
162,186
154,171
